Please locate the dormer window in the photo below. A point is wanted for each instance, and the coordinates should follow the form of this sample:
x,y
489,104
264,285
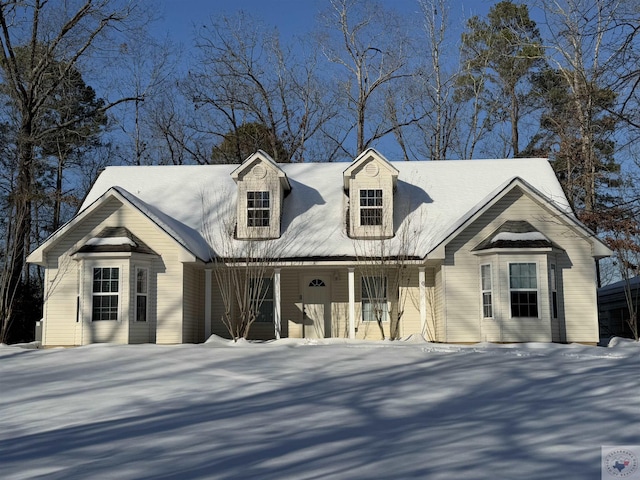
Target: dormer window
x,y
369,183
371,207
262,186
258,209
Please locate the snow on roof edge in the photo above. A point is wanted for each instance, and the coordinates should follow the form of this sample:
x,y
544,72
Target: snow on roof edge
x,y
186,236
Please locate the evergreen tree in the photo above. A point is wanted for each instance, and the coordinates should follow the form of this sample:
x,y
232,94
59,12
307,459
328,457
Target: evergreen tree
x,y
499,53
247,139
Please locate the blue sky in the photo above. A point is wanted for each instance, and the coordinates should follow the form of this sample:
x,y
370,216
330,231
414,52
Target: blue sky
x,y
292,17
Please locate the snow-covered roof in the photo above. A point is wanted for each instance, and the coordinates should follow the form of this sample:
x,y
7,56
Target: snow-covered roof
x,y
111,241
431,198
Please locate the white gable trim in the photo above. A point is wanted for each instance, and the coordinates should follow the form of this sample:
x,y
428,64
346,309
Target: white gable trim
x,y
38,256
262,157
364,157
598,248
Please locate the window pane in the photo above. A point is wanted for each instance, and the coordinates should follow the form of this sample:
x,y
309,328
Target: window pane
x,y
141,280
487,307
486,277
524,304
265,310
374,299
370,207
523,275
105,307
141,308
258,209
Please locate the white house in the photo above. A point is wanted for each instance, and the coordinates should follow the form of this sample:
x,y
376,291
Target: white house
x,y
489,250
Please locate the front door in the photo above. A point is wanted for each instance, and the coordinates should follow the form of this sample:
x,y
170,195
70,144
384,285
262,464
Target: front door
x,y
317,311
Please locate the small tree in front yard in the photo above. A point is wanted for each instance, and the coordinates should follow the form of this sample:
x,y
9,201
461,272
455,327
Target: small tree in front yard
x,y
385,267
243,269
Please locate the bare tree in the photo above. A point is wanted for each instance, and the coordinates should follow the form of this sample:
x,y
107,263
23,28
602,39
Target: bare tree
x,y
386,266
371,46
245,76
149,74
49,34
439,128
580,31
243,269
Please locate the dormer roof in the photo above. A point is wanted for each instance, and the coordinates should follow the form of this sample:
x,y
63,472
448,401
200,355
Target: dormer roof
x,y
370,159
263,158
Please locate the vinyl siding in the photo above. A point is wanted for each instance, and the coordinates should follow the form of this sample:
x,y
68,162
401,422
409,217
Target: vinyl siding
x,y
217,310
409,304
251,180
193,305
363,178
291,310
576,293
436,304
340,303
65,276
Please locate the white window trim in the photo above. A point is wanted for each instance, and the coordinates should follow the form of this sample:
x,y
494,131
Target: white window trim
x,y
92,269
483,291
261,208
371,207
509,289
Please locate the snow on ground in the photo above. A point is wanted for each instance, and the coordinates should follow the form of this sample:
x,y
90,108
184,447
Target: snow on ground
x,y
295,409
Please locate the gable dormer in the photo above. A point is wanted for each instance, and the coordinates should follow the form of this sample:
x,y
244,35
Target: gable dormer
x,y
370,182
262,186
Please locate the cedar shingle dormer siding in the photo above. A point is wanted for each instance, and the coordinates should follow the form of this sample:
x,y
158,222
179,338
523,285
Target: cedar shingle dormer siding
x,y
262,186
370,183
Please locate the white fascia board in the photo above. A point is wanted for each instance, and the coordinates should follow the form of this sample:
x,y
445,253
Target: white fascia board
x,y
598,248
38,256
369,152
316,263
265,158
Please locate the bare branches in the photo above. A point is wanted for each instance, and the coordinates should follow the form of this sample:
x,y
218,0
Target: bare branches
x,y
371,46
245,76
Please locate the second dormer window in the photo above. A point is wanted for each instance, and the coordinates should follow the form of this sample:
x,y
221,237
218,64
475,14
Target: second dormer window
x,y
371,207
258,209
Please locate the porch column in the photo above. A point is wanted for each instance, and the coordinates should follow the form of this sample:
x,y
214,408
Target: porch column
x,y
352,303
423,299
277,312
207,303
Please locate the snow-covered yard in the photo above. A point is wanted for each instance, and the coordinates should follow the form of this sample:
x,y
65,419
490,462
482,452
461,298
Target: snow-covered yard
x,y
340,410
